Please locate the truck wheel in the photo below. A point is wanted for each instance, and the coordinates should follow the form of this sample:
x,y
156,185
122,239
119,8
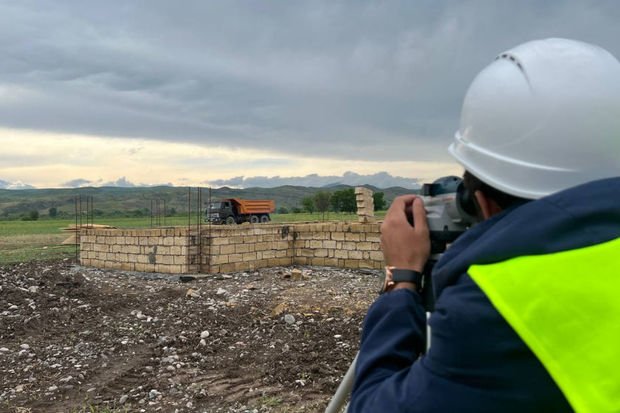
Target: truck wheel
x,y
230,221
253,219
264,218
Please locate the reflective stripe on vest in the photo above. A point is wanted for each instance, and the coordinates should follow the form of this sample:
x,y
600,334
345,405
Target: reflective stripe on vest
x,y
566,308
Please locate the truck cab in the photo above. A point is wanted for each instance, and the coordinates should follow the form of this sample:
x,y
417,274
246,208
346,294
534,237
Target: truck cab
x,y
221,212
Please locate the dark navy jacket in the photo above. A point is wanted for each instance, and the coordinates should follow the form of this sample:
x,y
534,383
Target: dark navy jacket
x,y
477,363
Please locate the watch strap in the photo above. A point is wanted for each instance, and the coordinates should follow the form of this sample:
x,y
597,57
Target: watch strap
x,y
405,275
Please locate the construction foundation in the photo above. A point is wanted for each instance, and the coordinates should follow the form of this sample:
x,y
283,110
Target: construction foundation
x,y
221,249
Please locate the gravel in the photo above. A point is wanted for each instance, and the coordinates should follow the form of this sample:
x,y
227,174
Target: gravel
x,y
77,339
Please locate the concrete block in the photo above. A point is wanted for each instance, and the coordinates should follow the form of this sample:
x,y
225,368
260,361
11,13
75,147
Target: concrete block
x,y
341,254
331,262
262,246
373,237
366,264
242,248
317,261
376,255
236,240
165,259
296,274
329,244
227,249
220,241
316,244
219,259
355,255
281,245
321,235
140,267
320,253
132,249
242,266
227,267
297,261
101,248
127,266
175,269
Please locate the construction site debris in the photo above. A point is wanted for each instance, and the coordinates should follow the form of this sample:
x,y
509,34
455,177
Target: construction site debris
x,y
89,338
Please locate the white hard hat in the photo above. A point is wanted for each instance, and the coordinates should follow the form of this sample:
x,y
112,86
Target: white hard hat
x,y
543,117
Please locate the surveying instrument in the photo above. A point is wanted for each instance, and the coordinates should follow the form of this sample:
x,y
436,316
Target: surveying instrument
x,y
450,211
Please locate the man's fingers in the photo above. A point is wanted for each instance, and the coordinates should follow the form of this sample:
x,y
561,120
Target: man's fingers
x,y
419,216
400,207
402,201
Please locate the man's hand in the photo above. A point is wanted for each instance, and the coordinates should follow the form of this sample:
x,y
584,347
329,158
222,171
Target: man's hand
x,y
405,246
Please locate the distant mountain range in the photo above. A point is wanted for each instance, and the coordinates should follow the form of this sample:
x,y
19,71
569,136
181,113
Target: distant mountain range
x,y
377,180
137,200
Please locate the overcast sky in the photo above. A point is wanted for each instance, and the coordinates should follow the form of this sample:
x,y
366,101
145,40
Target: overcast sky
x,y
201,91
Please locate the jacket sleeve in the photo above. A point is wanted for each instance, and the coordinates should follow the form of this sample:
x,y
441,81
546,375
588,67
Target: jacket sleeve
x,y
393,336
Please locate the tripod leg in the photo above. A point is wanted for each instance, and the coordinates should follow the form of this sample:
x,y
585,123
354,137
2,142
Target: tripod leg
x,y
343,391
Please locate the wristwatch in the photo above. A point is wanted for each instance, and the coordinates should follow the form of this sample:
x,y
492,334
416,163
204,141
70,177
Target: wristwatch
x,y
404,275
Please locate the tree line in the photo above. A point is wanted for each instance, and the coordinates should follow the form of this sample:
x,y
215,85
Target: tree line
x,y
338,201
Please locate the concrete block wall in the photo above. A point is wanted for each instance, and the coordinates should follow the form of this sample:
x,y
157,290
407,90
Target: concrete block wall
x,y
342,245
246,247
221,249
165,250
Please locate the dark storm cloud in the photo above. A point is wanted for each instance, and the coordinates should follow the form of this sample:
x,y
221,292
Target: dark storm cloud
x,y
352,80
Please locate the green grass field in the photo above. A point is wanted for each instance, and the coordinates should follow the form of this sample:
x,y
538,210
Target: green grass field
x,y
22,241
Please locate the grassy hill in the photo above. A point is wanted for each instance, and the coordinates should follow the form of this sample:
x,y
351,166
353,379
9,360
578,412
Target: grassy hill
x,y
113,201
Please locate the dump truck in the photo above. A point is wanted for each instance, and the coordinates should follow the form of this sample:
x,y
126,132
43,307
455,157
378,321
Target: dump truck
x,y
236,211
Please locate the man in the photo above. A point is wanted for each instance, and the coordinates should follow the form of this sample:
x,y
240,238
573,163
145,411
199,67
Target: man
x,y
527,311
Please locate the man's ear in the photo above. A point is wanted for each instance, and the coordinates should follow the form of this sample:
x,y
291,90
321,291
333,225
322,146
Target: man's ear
x,y
488,207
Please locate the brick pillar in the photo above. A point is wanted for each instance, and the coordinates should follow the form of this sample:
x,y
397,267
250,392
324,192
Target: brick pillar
x,y
365,204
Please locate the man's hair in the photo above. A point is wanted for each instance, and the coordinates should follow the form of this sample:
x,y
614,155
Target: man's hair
x,y
504,200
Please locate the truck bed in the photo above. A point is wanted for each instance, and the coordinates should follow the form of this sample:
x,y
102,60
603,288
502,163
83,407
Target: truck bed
x,y
255,206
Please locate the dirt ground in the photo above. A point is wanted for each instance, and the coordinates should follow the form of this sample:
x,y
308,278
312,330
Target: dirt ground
x,y
75,339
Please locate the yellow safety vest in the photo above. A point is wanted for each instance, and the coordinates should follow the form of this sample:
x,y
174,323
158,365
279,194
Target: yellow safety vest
x,y
566,307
